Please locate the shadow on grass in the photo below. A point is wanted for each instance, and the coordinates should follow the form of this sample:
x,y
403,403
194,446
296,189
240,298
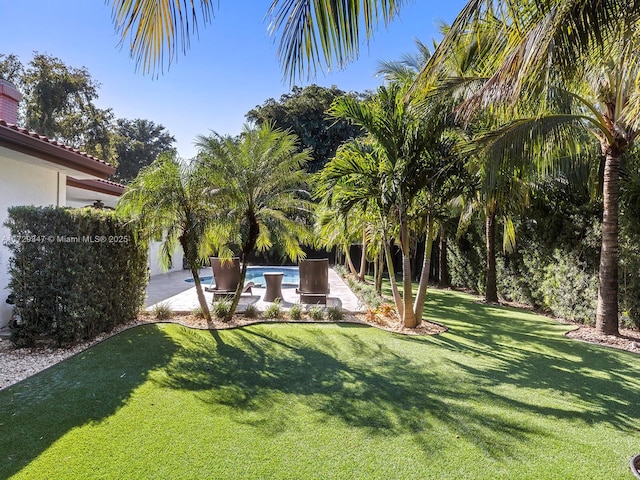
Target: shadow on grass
x,y
518,348
276,377
38,411
491,357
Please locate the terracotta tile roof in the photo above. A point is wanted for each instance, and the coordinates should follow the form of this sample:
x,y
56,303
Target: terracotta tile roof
x,y
98,185
25,141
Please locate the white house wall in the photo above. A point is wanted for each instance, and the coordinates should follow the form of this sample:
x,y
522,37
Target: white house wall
x,y
23,184
155,268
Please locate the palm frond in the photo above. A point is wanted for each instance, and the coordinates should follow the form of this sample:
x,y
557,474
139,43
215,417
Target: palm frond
x,y
157,30
319,33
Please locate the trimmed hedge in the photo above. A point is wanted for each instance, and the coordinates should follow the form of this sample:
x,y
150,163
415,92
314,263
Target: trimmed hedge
x,y
74,273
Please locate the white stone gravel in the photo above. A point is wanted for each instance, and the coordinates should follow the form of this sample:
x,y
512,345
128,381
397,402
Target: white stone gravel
x,y
18,364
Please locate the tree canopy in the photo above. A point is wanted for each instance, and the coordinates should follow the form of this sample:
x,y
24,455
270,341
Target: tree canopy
x,y
304,112
138,143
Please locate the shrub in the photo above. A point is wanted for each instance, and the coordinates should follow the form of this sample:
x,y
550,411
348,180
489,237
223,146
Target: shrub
x,y
221,308
316,313
295,312
163,311
387,309
74,273
197,312
335,313
251,311
273,310
569,290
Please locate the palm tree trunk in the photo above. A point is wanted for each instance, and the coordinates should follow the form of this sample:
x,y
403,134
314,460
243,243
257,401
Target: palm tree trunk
x,y
201,298
607,310
250,244
379,272
418,306
408,317
491,288
236,297
363,256
444,281
352,268
191,257
392,279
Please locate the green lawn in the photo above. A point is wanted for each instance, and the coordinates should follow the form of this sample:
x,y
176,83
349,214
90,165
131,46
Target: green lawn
x,y
501,395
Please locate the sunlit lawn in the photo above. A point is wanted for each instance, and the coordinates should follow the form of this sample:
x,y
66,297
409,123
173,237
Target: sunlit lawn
x,y
501,395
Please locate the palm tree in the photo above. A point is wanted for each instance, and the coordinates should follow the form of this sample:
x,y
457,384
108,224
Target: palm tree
x,y
166,200
258,193
312,34
352,185
575,56
401,137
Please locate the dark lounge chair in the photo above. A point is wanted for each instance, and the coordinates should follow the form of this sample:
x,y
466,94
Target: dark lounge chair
x,y
226,275
314,281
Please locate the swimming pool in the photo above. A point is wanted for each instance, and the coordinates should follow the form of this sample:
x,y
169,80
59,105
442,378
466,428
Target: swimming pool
x,y
255,274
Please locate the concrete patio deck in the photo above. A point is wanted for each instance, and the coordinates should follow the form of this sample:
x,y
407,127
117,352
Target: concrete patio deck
x,y
181,296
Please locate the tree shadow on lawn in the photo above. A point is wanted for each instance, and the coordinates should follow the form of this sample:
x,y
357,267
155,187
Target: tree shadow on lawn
x,y
343,373
519,348
38,411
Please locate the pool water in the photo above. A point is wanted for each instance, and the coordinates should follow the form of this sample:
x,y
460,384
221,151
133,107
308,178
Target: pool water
x,y
255,274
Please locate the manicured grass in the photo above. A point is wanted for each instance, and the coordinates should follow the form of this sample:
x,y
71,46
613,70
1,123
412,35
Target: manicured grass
x,y
502,394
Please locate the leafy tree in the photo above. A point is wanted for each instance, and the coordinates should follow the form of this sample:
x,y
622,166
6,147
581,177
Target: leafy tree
x,y
138,143
257,194
11,69
304,112
59,103
167,201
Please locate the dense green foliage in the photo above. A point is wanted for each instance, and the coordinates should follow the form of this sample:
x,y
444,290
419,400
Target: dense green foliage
x,y
59,102
166,203
304,112
487,399
554,265
74,273
138,143
257,189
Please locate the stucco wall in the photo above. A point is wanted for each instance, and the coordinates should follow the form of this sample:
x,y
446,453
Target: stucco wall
x,y
23,184
154,260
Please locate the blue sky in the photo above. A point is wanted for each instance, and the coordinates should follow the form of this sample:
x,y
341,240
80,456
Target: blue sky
x,y
229,69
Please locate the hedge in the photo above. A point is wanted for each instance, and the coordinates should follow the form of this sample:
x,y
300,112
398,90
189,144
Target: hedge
x,y
74,273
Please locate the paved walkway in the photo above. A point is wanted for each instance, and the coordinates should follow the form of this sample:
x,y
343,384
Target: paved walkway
x,y
181,296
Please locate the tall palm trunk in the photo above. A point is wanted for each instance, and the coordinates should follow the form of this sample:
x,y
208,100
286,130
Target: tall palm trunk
x,y
392,279
424,275
408,315
236,297
352,268
607,311
254,232
201,298
191,256
363,256
491,288
379,263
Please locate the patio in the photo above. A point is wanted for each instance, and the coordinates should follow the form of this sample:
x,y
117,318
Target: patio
x,y
172,289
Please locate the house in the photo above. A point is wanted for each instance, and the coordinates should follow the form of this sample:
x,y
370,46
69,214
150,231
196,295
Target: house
x,y
35,170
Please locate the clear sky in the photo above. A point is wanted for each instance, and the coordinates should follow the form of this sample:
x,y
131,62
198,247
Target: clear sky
x,y
229,69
